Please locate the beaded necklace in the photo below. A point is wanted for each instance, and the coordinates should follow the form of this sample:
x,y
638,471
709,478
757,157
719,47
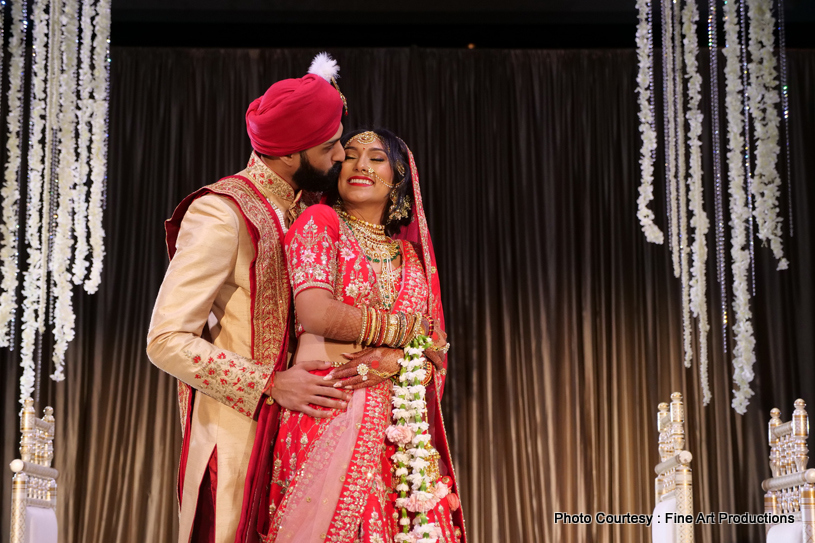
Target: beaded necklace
x,y
377,247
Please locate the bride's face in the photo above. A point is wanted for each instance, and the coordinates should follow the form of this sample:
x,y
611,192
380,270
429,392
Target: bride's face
x,y
365,171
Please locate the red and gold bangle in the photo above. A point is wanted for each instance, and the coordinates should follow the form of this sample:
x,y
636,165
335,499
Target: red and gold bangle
x,y
364,326
377,331
428,373
369,317
383,327
403,329
393,329
432,325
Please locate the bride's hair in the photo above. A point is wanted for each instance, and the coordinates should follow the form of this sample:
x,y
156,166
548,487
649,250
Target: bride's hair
x,y
397,153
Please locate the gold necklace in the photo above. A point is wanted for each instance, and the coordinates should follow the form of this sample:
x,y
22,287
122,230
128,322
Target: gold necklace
x,y
377,247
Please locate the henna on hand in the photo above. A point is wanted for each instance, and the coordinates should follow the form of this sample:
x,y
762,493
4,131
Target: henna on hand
x,y
382,362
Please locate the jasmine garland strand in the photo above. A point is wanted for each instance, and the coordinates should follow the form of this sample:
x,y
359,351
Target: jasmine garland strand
x,y
699,220
763,97
740,215
9,230
682,204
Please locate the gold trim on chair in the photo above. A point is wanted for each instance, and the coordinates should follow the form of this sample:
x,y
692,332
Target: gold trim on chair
x,y
791,489
673,473
34,483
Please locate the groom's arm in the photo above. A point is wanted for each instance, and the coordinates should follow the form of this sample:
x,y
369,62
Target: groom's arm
x,y
206,252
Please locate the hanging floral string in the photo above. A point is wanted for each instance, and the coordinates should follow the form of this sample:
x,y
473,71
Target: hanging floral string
x,y
67,176
763,99
751,97
645,56
99,147
740,215
680,170
418,494
699,220
84,115
67,152
35,184
9,230
669,127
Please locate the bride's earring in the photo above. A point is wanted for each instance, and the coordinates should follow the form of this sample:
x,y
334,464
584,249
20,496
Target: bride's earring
x,y
398,212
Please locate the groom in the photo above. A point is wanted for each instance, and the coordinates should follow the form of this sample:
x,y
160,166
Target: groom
x,y
221,319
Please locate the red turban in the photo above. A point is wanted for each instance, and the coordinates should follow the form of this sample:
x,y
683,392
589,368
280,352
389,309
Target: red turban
x,y
294,115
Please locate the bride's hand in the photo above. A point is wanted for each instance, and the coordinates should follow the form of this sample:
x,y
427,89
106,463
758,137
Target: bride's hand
x,y
437,357
381,362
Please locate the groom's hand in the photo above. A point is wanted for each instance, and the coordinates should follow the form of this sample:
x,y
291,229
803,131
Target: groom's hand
x,y
382,363
296,388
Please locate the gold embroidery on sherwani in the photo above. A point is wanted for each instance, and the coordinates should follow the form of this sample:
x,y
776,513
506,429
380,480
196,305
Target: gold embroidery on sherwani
x,y
272,299
271,302
184,392
268,181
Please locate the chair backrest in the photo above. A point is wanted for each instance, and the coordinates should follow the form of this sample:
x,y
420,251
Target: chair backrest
x,y
791,489
673,473
34,485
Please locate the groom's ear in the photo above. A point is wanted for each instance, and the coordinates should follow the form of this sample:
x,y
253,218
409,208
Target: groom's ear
x,y
291,161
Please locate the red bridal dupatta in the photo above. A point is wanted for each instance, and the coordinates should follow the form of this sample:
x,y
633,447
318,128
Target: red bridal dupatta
x,y
256,522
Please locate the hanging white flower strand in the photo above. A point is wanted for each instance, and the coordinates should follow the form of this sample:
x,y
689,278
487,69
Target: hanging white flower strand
x,y
744,351
645,56
699,220
99,146
67,175
417,492
68,83
9,230
763,97
84,116
32,286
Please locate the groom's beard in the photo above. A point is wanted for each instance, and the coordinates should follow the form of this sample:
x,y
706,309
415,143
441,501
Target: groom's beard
x,y
309,178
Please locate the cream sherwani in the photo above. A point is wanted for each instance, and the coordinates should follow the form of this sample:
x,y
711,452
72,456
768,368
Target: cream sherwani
x,y
208,287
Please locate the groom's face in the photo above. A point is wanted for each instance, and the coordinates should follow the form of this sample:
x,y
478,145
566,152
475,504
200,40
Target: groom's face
x,y
320,165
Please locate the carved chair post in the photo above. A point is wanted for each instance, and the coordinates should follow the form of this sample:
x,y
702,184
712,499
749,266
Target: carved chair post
x,y
791,489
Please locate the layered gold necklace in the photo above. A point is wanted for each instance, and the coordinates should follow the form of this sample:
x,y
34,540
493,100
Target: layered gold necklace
x,y
379,248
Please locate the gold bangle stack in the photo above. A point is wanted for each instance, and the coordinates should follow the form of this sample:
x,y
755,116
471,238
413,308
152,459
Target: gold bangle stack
x,y
392,329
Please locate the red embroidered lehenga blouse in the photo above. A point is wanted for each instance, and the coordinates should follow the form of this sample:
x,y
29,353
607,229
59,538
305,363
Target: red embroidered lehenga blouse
x,y
332,479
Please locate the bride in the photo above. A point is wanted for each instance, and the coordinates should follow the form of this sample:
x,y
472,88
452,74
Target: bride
x,y
366,287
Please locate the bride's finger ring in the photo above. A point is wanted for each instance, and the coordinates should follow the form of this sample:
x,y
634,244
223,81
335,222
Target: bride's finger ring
x,y
363,369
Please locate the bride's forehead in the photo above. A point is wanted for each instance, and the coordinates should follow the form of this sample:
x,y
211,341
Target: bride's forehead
x,y
362,148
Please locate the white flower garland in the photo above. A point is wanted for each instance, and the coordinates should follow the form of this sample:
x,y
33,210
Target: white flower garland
x,y
744,351
699,220
763,97
98,169
9,230
669,99
67,150
60,254
36,181
85,113
417,492
645,55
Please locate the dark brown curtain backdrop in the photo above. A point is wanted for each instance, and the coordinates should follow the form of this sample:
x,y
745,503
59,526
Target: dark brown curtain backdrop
x,y
565,323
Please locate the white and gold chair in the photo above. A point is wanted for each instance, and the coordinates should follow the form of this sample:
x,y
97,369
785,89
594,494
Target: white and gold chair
x,y
34,486
791,489
673,514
